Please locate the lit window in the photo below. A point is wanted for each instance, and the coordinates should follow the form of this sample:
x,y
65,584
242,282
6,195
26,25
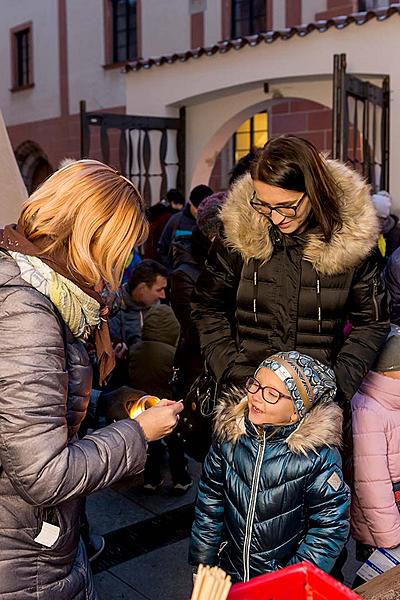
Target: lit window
x,y
124,30
252,133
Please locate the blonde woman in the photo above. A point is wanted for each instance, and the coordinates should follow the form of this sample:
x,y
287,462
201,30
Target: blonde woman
x,y
69,247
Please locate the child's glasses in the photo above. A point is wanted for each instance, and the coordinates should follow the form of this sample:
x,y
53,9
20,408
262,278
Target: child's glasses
x,y
269,394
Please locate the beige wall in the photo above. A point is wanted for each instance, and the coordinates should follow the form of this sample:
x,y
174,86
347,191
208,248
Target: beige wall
x,y
42,101
309,8
212,23
87,79
165,27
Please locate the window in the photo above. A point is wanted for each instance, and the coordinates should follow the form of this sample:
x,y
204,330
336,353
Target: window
x,y
252,133
21,47
371,4
248,17
124,30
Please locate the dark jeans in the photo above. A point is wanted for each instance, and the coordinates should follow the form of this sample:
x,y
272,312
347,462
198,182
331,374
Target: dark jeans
x,y
176,458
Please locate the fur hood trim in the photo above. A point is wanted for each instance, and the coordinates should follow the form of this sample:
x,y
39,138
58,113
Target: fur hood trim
x,y
322,426
247,232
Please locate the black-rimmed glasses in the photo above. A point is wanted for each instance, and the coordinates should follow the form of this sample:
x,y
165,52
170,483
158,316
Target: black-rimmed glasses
x,y
266,209
269,394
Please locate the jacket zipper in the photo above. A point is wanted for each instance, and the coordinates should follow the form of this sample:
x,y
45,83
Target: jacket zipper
x,y
374,295
319,305
252,510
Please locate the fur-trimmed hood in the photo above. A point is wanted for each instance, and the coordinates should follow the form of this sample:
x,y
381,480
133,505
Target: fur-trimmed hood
x,y
247,232
322,426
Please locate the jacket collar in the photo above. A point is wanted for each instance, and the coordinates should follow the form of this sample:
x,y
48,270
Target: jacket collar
x,y
248,232
322,426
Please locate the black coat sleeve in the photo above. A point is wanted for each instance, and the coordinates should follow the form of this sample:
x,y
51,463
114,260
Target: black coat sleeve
x,y
392,276
181,293
368,314
213,308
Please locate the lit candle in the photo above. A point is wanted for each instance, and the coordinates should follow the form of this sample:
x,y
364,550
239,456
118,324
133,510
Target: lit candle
x,y
142,404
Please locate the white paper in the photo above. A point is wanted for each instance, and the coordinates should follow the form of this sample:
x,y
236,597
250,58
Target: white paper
x,y
381,560
48,535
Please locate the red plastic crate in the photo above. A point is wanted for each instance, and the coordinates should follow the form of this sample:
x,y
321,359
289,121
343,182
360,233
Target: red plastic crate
x,y
298,582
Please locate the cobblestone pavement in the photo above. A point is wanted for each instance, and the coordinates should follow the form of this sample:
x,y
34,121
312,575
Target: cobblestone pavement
x,y
147,541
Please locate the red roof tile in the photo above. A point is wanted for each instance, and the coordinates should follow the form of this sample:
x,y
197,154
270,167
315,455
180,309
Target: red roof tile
x,y
359,18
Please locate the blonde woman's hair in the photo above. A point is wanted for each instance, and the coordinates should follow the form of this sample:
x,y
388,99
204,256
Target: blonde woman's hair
x,y
92,212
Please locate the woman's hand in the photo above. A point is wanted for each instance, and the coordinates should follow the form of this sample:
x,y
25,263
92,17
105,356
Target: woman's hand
x,y
160,420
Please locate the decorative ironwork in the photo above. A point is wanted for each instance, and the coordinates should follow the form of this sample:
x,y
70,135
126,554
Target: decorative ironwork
x,y
361,119
148,150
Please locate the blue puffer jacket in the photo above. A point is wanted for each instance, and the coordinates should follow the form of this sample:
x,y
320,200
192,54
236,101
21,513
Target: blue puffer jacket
x,y
267,502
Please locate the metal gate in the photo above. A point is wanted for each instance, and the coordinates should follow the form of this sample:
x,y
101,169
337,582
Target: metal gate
x,y
150,151
361,112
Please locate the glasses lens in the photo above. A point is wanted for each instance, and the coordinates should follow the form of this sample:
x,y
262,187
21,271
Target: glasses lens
x,y
290,211
252,385
261,208
270,395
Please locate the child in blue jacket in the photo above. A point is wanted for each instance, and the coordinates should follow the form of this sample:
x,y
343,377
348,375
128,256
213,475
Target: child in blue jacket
x,y
272,492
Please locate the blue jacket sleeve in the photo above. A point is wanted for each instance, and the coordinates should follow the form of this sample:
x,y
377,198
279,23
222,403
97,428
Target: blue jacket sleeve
x,y
327,499
209,512
164,243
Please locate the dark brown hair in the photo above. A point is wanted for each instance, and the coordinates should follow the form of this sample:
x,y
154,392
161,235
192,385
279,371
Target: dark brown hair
x,y
293,163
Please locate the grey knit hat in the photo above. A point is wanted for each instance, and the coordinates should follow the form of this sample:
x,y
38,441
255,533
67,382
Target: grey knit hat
x,y
389,358
307,380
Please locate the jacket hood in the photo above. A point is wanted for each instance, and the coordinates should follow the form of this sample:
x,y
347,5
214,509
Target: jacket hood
x,y
384,390
322,426
161,325
247,232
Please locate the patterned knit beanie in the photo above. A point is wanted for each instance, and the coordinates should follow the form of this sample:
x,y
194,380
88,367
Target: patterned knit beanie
x,y
208,214
307,380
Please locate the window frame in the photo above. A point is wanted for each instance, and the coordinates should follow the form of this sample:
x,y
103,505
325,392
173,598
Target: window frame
x,y
252,133
363,8
115,58
250,22
15,33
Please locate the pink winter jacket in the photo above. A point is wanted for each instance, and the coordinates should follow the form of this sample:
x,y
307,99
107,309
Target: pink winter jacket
x,y
375,517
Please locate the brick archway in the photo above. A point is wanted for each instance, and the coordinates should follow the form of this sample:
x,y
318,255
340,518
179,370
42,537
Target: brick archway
x,y
33,164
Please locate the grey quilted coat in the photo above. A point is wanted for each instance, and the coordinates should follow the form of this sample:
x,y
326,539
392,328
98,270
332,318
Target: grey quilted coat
x,y
45,471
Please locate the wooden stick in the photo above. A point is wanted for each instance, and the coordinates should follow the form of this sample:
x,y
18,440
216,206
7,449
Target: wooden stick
x,y
212,583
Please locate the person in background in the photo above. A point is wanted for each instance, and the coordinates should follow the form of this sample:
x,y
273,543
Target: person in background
x,y
158,215
375,516
69,248
150,364
178,230
146,287
190,262
133,260
389,240
272,492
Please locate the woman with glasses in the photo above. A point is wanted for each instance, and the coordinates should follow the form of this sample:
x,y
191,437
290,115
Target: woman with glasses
x,y
296,263
272,492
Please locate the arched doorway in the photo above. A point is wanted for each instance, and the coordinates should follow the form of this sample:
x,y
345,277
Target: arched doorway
x,y
33,164
298,116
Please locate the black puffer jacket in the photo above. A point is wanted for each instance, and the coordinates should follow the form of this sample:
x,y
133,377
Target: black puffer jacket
x,y
263,292
45,380
267,502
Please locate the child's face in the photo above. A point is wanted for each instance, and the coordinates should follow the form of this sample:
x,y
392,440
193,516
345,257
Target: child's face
x,y
264,413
